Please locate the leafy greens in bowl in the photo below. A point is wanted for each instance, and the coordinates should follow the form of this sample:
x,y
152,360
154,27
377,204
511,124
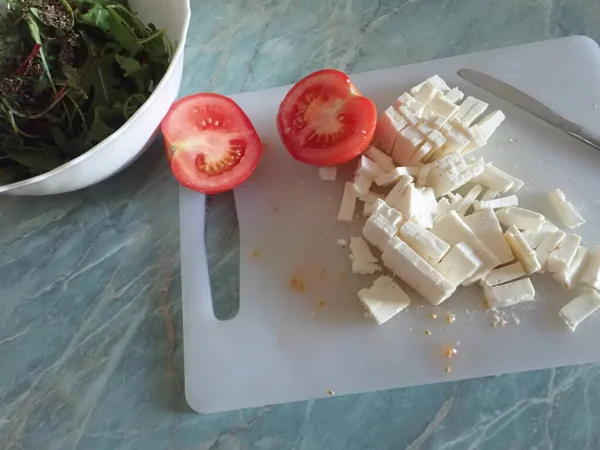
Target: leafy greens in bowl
x,y
72,72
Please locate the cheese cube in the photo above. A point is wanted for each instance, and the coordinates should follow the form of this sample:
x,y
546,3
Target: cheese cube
x,y
384,161
459,264
378,231
423,174
425,92
476,138
395,195
370,197
361,185
360,251
435,141
365,268
436,80
523,219
469,111
455,95
565,209
384,299
346,213
495,179
393,216
418,205
430,247
453,229
389,124
451,172
487,228
562,257
439,106
547,246
505,274
455,141
410,102
443,206
409,140
490,122
368,208
328,173
502,202
469,199
405,263
524,254
490,194
425,128
535,238
369,168
571,275
591,274
394,176
509,294
580,308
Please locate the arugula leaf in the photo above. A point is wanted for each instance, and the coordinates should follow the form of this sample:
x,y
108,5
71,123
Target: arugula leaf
x,y
100,129
42,157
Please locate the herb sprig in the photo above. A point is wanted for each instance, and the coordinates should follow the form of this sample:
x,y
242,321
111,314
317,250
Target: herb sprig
x,y
71,73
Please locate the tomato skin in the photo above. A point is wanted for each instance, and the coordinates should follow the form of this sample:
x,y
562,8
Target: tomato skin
x,y
324,121
210,142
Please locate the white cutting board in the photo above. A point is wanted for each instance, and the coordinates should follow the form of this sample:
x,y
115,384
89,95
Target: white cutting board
x,y
284,345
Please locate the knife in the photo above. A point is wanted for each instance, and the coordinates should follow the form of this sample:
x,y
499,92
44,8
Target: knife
x,y
529,104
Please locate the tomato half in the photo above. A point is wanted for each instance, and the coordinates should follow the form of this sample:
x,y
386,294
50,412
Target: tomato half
x,y
324,120
210,142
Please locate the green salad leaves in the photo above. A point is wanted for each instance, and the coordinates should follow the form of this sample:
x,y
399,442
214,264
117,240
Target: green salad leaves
x,y
71,73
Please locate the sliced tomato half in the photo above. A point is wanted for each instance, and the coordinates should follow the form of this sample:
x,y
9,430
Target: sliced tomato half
x,y
210,142
325,121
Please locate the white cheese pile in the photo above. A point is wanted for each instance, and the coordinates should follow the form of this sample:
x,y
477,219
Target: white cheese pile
x,y
436,240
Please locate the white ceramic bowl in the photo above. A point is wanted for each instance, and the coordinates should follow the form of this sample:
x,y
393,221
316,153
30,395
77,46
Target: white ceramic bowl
x,y
127,143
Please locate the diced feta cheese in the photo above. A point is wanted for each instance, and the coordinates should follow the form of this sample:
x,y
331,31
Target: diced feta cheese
x,y
459,264
522,251
384,161
502,202
369,168
571,275
384,299
405,263
490,122
439,122
517,184
523,219
439,106
393,216
565,209
505,274
427,149
425,128
476,137
423,174
361,185
453,229
487,228
469,199
580,308
418,205
412,118
455,141
469,111
361,251
509,294
450,172
409,108
430,247
591,274
397,192
389,124
392,177
455,201
368,208
455,95
364,268
370,197
535,238
494,179
342,242
407,143
562,257
437,81
490,194
328,173
547,246
443,206
425,92
378,231
348,204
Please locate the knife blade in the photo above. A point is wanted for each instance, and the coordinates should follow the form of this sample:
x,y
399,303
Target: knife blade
x,y
529,104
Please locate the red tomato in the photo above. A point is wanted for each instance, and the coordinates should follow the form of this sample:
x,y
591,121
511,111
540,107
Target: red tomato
x,y
210,142
325,121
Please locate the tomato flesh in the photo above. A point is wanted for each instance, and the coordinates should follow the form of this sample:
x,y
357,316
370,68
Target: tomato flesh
x,y
325,121
210,142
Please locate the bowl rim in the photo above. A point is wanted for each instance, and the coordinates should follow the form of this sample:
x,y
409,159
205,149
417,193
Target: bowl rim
x,y
159,87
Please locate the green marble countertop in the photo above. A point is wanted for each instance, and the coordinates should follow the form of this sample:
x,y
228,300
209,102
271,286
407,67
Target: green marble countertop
x,y
90,310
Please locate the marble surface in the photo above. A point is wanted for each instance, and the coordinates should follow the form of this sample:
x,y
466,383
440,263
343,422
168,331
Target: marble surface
x,y
90,297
